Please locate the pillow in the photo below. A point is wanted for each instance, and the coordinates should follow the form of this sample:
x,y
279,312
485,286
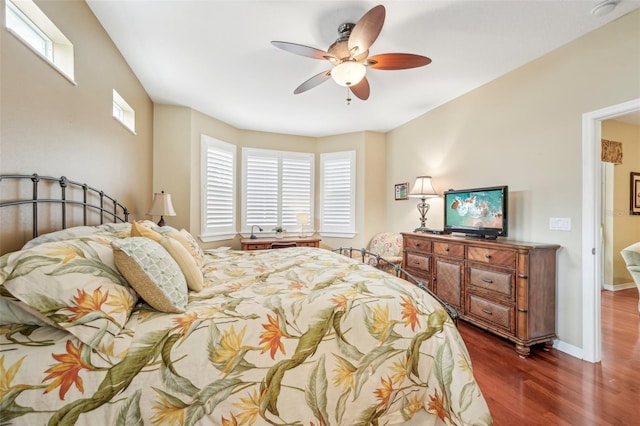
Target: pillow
x,y
152,272
190,243
16,312
162,230
191,271
631,254
138,230
74,284
120,230
62,235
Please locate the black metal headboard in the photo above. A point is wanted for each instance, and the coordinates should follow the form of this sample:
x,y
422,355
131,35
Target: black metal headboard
x,y
106,207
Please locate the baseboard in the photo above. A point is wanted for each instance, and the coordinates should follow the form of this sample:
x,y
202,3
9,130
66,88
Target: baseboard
x,y
618,287
567,348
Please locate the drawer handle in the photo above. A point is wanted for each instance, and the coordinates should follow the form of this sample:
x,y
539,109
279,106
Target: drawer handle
x,y
446,249
417,244
416,262
488,256
488,312
487,280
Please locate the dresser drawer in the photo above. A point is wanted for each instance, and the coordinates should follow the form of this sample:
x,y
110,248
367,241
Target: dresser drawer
x,y
492,256
501,282
494,313
307,244
257,246
418,261
417,244
448,249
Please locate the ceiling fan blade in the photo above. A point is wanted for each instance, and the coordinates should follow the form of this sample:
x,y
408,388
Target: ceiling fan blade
x,y
397,61
302,50
366,30
362,89
313,82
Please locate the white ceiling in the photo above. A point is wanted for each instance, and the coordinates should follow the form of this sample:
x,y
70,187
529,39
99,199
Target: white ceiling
x,y
216,56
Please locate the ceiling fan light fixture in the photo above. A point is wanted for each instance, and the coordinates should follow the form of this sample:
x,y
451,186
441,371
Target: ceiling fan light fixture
x,y
348,73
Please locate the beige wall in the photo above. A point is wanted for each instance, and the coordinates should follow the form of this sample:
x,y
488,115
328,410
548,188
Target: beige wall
x,y
370,193
52,127
176,159
525,130
623,229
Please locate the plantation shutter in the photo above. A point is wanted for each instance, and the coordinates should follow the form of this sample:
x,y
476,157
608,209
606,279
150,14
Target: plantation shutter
x,y
337,183
277,185
218,189
261,191
296,189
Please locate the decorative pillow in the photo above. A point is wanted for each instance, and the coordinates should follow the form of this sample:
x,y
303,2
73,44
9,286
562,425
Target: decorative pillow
x,y
139,230
162,230
151,270
151,230
190,243
191,271
75,285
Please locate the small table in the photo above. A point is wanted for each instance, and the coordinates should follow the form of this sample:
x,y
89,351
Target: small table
x,y
269,243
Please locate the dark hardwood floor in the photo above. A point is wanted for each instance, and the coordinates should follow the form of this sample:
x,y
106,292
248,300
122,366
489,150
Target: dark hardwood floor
x,y
553,388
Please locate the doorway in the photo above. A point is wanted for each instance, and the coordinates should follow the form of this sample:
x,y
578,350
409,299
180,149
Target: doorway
x,y
592,255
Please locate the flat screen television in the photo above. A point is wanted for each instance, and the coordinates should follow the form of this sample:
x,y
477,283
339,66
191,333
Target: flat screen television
x,y
477,212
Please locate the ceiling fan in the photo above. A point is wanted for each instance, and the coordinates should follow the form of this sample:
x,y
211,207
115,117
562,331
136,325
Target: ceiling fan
x,y
350,55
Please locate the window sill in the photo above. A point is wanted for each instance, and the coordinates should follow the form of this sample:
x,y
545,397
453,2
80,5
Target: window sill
x,y
338,234
133,132
207,238
44,58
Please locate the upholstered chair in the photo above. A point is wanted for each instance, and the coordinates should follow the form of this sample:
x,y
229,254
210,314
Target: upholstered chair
x,y
631,256
387,245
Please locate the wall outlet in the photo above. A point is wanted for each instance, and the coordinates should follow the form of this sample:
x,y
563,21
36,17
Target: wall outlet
x,y
560,223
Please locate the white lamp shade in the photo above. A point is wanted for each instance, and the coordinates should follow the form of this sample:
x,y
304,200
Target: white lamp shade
x,y
348,73
423,188
302,218
162,205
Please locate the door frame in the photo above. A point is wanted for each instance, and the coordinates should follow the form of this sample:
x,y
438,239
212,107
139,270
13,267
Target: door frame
x,y
592,254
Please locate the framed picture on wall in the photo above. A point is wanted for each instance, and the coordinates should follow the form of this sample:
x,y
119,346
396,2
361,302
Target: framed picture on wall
x,y
402,191
635,193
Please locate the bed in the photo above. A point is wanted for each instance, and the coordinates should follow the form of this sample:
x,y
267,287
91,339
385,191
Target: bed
x,y
113,324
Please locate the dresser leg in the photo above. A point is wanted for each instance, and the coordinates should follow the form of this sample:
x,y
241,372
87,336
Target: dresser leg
x,y
523,351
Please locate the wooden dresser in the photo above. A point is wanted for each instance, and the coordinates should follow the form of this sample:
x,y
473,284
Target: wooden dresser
x,y
268,243
502,286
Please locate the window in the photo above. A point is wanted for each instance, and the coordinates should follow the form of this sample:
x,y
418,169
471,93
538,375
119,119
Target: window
x,y
337,197
30,25
277,185
218,190
123,112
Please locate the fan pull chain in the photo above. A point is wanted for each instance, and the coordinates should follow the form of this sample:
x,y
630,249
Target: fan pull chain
x,y
348,97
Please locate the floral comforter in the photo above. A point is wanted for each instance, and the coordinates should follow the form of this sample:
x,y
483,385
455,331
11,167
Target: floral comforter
x,y
297,336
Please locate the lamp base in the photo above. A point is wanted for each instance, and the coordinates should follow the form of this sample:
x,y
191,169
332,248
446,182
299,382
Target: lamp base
x,y
423,230
161,221
431,231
